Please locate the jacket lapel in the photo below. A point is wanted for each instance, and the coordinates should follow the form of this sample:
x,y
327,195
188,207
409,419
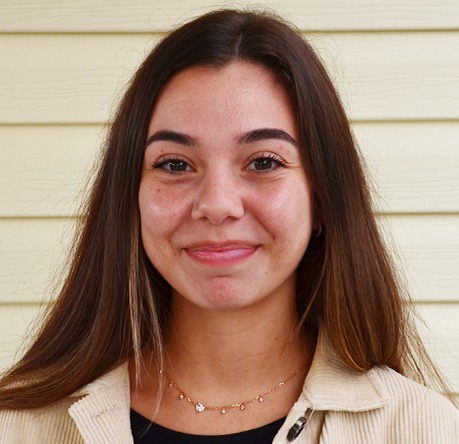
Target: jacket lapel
x,y
331,386
102,415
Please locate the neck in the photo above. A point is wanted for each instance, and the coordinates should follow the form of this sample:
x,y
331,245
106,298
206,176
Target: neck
x,y
230,349
224,357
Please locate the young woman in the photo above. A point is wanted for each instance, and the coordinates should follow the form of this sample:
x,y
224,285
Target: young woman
x,y
228,283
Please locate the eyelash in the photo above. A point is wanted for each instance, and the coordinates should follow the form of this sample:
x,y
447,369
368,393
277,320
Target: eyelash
x,y
270,156
161,163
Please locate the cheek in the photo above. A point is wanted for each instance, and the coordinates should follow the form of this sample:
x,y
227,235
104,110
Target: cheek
x,y
287,209
161,208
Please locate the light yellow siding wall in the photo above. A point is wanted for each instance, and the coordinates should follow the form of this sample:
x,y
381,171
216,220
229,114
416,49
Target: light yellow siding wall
x,y
396,64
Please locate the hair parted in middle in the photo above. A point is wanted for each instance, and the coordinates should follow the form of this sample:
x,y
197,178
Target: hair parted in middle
x,y
114,302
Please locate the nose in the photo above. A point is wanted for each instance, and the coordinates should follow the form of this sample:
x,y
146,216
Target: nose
x,y
219,197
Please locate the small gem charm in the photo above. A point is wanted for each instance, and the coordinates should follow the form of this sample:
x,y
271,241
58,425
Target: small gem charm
x,y
260,399
223,411
200,407
242,407
171,385
181,396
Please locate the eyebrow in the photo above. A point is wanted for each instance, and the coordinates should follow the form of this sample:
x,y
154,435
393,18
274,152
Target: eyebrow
x,y
266,134
249,137
172,136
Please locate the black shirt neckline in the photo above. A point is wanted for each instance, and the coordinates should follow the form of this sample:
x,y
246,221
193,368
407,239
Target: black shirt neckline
x,y
145,432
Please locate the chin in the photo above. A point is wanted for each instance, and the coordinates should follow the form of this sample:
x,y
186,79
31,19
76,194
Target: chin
x,y
225,301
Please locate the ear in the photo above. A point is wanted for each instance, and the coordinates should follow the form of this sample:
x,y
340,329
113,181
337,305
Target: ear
x,y
317,229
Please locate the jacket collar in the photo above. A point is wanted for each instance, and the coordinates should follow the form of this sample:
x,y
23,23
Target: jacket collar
x,y
102,412
330,385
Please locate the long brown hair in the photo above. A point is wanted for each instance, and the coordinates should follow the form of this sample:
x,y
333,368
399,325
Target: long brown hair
x,y
113,302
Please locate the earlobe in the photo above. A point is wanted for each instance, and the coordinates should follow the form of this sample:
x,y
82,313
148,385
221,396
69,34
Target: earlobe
x,y
317,230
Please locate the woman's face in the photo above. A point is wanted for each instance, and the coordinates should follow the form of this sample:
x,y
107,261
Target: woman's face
x,y
225,204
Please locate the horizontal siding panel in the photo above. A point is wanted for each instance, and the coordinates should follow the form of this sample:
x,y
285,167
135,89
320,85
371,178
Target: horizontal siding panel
x,y
395,76
426,248
15,323
441,335
75,78
414,166
31,252
65,78
43,169
144,15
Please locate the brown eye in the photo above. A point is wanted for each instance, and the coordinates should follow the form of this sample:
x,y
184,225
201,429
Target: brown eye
x,y
266,163
177,165
172,165
263,164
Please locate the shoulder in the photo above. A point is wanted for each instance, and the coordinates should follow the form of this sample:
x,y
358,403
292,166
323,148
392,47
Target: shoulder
x,y
43,425
419,409
405,391
63,421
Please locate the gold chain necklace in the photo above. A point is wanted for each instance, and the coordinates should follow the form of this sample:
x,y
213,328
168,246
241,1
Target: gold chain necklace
x,y
200,406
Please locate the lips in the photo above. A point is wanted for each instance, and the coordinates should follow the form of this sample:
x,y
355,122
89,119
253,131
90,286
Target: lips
x,y
218,254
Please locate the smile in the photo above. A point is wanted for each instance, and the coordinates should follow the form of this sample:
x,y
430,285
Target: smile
x,y
221,254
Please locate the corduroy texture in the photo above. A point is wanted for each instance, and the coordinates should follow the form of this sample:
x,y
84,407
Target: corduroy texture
x,y
377,407
342,406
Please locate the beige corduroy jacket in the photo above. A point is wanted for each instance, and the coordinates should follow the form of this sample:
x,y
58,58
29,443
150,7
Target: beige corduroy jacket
x,y
340,406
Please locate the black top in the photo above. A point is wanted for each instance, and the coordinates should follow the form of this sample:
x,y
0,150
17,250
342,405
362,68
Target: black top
x,y
146,432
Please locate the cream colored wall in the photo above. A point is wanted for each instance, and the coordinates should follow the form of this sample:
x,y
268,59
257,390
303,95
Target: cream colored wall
x,y
396,64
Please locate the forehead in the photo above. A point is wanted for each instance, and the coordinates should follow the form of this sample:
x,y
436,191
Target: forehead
x,y
205,94
233,72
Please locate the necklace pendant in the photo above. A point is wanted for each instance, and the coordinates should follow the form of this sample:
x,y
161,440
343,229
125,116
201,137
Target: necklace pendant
x,y
200,407
242,407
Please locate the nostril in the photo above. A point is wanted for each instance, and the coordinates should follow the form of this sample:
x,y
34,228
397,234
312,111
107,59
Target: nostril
x,y
217,203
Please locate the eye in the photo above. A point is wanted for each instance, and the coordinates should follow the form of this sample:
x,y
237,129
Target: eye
x,y
266,163
172,165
